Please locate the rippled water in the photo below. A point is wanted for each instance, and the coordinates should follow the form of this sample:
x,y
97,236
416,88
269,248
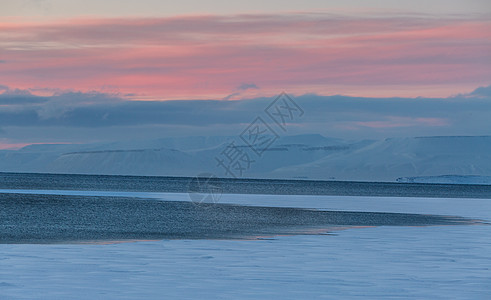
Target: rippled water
x,y
56,218
44,218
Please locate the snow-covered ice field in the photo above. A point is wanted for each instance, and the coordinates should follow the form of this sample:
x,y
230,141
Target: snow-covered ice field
x,y
437,262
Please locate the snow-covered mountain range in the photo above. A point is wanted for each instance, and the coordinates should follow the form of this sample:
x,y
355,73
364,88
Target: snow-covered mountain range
x,y
416,159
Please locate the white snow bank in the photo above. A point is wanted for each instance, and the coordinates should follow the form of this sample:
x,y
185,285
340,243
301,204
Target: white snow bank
x,y
437,262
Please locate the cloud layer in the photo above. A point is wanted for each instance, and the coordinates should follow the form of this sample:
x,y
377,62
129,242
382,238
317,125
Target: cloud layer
x,y
88,117
204,57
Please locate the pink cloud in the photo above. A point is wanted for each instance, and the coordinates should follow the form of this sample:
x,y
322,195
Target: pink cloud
x,y
208,56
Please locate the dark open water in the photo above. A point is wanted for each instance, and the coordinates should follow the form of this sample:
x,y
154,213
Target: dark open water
x,y
240,186
51,219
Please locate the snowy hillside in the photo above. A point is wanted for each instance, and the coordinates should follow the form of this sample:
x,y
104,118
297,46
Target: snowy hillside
x,y
303,156
390,159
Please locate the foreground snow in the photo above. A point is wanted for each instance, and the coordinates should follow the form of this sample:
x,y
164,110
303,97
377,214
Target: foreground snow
x,y
438,262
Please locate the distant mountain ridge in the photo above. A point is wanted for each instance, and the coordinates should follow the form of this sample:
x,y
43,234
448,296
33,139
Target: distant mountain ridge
x,y
302,156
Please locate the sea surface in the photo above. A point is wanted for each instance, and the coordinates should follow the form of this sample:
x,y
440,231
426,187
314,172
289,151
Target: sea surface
x,y
239,186
29,213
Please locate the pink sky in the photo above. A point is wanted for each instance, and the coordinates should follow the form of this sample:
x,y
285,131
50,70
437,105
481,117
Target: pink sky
x,y
212,56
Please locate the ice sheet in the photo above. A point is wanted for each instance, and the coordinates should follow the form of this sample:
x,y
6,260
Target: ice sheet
x,y
438,262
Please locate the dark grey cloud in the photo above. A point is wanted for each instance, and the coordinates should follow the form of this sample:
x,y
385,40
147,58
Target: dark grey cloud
x,y
15,99
241,88
16,92
247,86
482,92
100,110
2,61
231,96
84,116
